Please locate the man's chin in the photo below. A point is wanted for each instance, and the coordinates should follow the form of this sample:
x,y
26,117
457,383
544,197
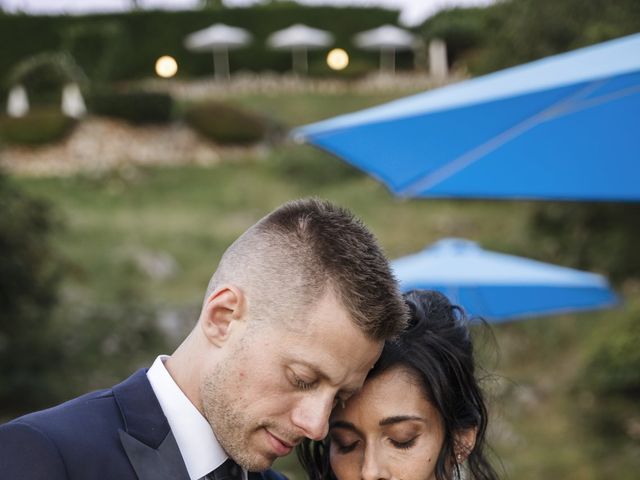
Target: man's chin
x,y
254,460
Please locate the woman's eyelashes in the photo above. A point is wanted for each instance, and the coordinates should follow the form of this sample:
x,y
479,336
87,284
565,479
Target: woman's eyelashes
x,y
403,445
344,446
347,448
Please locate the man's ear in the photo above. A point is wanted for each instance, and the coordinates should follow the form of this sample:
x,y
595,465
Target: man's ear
x,y
464,442
224,306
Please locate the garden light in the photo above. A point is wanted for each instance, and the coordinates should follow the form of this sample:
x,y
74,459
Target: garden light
x,y
166,66
337,59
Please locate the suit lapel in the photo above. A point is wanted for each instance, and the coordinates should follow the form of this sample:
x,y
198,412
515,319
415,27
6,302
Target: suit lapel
x,y
147,438
164,462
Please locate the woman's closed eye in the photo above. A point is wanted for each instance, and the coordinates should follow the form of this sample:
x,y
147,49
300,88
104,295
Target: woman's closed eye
x,y
344,444
346,448
404,444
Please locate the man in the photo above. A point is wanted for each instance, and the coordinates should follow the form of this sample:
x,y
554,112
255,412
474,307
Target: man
x,y
293,318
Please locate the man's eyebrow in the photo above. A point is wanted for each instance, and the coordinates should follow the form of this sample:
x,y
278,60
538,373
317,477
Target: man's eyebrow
x,y
344,425
398,419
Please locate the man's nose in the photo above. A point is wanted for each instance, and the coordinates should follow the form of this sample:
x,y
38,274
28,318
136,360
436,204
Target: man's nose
x,y
374,466
311,415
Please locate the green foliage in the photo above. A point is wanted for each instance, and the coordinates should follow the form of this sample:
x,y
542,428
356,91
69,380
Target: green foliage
x,y
38,127
103,343
462,29
518,31
50,351
226,124
29,276
143,36
135,107
97,46
607,389
302,167
613,365
44,75
592,236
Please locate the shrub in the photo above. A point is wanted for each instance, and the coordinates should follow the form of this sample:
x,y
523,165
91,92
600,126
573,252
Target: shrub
x,y
135,107
30,271
226,124
97,46
311,168
613,362
591,236
41,126
44,75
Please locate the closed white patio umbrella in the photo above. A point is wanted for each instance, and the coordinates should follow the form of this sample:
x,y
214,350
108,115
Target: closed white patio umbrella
x,y
218,38
299,38
388,39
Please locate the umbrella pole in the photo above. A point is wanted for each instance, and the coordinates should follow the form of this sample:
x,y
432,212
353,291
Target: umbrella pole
x,y
300,64
221,63
387,60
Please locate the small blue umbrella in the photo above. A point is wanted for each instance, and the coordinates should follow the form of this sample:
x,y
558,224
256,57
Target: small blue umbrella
x,y
501,287
565,127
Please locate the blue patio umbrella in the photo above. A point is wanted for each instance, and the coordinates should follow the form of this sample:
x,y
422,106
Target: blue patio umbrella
x,y
501,287
565,127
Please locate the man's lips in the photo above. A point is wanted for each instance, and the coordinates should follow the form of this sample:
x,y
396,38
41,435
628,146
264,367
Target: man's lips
x,y
279,446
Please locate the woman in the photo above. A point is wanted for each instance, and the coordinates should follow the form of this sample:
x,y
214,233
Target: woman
x,y
420,414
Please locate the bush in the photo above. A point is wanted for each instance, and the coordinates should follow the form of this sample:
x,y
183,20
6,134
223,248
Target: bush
x,y
30,270
311,168
103,344
135,107
44,75
226,124
39,127
591,236
97,47
613,364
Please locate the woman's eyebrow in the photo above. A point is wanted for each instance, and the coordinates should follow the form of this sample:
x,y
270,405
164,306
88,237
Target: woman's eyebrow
x,y
398,419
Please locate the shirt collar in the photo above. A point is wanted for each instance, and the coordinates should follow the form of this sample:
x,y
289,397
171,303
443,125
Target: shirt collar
x,y
198,446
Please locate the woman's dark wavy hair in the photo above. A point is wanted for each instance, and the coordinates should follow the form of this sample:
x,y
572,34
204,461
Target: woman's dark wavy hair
x,y
437,348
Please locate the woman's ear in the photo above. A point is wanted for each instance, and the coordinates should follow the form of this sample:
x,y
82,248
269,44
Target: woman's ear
x,y
464,442
224,306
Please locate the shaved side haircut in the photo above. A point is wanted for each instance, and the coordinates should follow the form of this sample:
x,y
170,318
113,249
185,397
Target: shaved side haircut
x,y
298,253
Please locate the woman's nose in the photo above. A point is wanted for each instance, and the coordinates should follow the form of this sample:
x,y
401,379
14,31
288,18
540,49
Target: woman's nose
x,y
373,465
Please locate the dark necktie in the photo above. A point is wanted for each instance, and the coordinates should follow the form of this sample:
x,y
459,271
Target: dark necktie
x,y
229,470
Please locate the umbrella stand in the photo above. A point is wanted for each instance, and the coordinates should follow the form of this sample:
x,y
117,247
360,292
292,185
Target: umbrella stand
x,y
221,63
387,60
299,64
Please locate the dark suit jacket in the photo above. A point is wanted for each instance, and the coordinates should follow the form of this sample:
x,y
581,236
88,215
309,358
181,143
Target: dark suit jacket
x,y
119,433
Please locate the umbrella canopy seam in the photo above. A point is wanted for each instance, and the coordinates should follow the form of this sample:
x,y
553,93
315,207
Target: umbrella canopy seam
x,y
469,158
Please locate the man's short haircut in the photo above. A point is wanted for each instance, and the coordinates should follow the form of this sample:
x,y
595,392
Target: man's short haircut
x,y
288,260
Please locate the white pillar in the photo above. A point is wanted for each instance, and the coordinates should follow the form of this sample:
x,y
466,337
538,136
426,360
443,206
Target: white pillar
x,y
72,102
18,102
438,66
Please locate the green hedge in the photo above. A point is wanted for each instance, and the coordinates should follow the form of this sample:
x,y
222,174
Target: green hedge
x,y
143,36
135,107
226,124
40,126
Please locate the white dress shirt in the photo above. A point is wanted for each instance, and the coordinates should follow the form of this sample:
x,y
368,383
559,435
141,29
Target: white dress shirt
x,y
198,445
